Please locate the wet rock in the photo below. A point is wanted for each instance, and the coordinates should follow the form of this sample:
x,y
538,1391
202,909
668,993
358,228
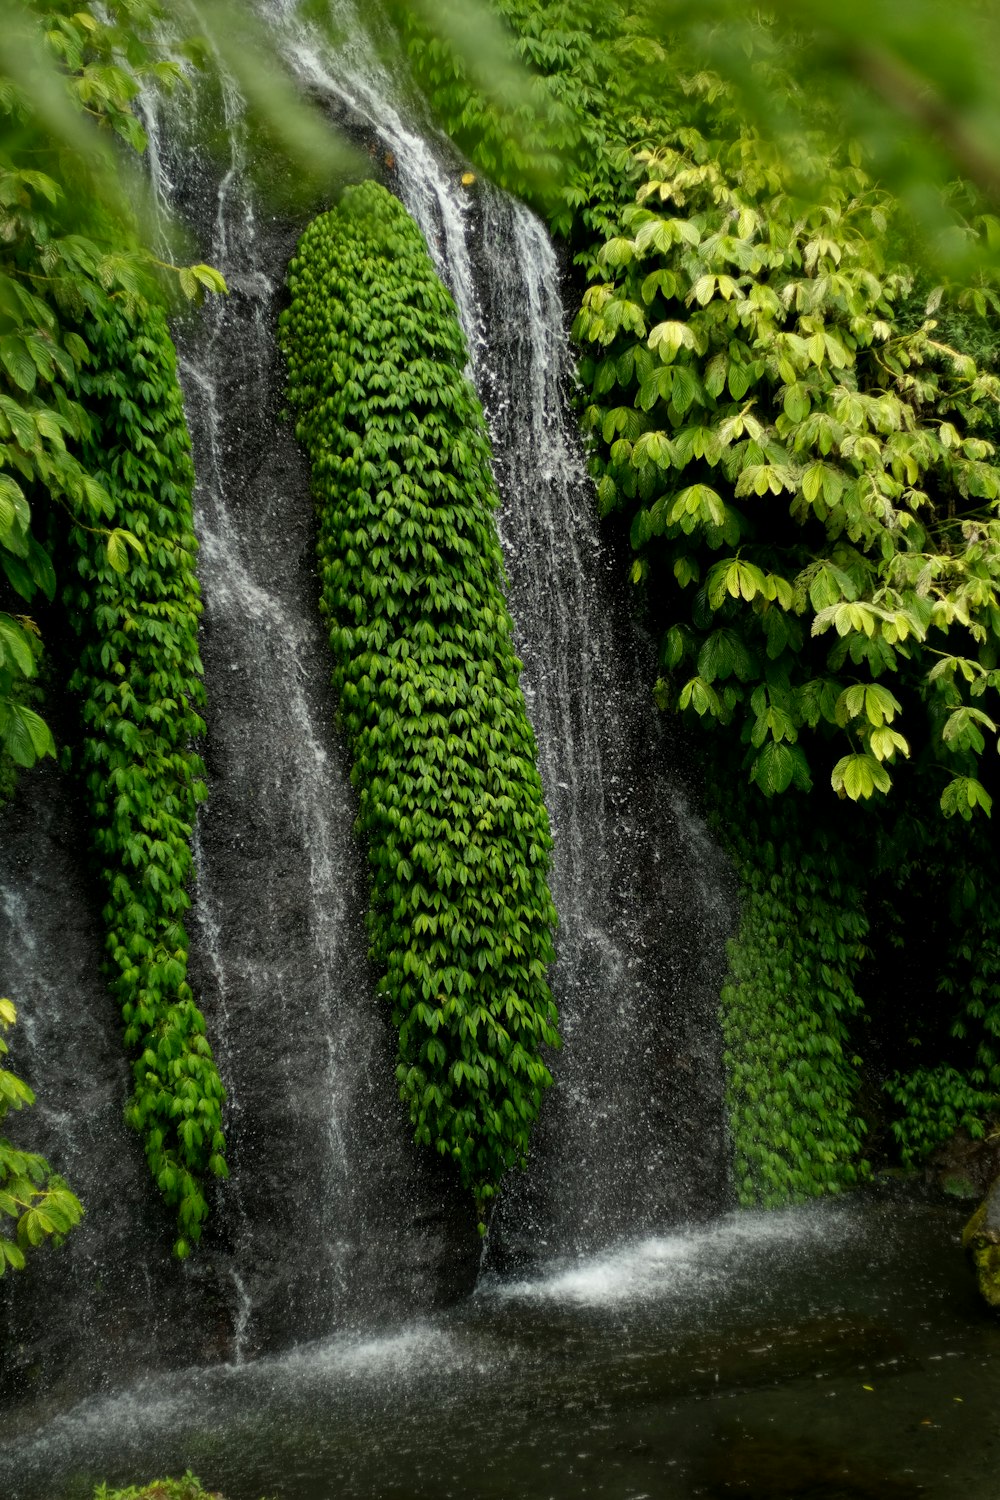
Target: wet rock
x,y
964,1168
981,1238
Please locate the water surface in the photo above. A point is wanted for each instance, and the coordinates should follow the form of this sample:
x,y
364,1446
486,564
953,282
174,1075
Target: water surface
x,y
833,1351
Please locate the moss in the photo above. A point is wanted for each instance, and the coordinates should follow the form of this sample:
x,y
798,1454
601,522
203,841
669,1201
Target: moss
x,y
981,1239
986,1259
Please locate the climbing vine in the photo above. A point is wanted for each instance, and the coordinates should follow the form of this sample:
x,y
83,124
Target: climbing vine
x,y
67,245
134,603
788,1003
935,1103
444,758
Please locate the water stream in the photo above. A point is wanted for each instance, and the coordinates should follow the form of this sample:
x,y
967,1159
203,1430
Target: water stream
x,y
639,945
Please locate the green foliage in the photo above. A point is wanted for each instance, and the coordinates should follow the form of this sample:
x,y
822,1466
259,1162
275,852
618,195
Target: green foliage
x,y
793,427
566,140
35,1204
92,440
805,470
935,1103
444,758
135,608
915,84
187,1488
29,693
787,1005
59,255
967,933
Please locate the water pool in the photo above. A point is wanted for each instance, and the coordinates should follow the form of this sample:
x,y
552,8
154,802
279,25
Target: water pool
x,y
833,1351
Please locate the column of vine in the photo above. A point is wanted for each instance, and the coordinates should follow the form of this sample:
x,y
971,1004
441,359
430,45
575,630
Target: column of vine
x,y
451,806
135,607
787,1006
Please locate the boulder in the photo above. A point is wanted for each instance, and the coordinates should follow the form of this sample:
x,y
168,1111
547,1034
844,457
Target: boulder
x,y
981,1238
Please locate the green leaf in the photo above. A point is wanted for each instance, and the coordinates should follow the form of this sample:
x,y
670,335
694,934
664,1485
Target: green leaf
x,y
859,777
117,551
23,734
16,360
209,277
16,647
774,768
963,795
699,696
734,578
667,339
724,654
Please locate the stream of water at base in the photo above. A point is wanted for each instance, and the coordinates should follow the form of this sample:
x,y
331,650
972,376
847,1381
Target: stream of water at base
x,y
832,1352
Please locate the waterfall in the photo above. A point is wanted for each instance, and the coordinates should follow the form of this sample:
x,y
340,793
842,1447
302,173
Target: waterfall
x,y
621,1148
331,1216
327,1219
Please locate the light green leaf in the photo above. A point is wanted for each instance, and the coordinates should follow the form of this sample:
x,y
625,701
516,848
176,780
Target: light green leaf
x,y
859,777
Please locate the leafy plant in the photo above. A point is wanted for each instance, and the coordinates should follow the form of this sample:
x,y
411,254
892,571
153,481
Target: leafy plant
x,y
35,1204
790,422
95,473
806,471
134,604
67,246
444,758
935,1103
187,1488
969,982
786,1009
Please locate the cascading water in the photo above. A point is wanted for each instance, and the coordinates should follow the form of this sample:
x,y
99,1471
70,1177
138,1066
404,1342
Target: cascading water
x,y
632,1138
331,1216
322,1171
639,947
769,1354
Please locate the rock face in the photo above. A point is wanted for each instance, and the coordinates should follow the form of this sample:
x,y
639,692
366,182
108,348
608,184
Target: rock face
x,y
981,1238
113,1285
963,1167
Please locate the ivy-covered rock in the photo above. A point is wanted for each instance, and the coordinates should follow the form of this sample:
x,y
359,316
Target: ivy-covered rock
x,y
451,807
134,603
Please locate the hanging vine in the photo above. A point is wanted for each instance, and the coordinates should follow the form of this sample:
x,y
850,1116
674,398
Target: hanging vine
x,y
787,1007
134,604
451,803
